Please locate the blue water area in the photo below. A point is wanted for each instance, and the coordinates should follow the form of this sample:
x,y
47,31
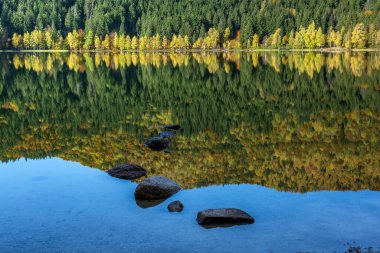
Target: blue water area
x,y
53,205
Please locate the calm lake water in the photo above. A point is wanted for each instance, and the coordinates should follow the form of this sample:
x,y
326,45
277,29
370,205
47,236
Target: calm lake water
x,y
293,139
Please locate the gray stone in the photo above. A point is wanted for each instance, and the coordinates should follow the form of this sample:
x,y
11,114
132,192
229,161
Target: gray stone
x,y
175,206
127,171
154,188
223,217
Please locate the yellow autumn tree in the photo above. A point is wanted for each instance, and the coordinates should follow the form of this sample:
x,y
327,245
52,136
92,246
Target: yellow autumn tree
x,y
309,38
359,36
165,42
143,43
186,42
275,39
128,42
213,38
26,40
48,39
106,44
377,39
320,38
121,44
71,42
115,42
134,43
16,41
226,34
255,41
97,42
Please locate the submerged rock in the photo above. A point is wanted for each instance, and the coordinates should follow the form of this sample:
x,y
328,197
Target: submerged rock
x,y
157,143
154,188
175,206
223,217
166,134
127,171
172,127
149,203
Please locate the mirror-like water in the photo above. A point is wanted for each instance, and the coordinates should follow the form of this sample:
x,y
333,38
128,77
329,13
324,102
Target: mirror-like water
x,y
291,138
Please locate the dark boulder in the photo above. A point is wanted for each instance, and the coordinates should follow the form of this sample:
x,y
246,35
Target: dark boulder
x,y
154,188
175,206
223,217
172,127
127,171
157,143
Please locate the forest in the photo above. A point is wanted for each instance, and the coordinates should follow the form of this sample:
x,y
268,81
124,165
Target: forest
x,y
166,24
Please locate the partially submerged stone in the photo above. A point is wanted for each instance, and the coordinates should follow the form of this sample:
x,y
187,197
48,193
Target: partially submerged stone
x,y
157,143
149,203
223,217
172,127
154,188
166,134
127,171
175,206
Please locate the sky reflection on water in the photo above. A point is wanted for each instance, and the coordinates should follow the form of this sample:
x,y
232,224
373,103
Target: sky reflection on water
x,y
53,205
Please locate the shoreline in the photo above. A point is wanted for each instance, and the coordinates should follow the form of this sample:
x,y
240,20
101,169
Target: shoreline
x,y
221,50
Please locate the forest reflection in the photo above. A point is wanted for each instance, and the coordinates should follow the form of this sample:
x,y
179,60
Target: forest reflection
x,y
292,122
358,63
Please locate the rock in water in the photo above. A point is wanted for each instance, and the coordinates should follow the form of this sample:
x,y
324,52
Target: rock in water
x,y
154,188
157,143
175,206
166,134
223,217
127,171
149,203
172,127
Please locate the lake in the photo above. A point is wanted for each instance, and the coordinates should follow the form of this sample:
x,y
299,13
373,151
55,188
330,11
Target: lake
x,y
291,138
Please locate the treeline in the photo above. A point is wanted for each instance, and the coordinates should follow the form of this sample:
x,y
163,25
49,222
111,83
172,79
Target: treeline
x,y
310,37
141,18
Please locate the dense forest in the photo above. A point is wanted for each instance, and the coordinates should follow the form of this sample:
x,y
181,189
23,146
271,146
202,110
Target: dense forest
x,y
246,121
249,22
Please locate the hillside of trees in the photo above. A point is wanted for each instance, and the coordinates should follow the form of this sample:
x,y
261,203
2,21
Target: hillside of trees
x,y
98,24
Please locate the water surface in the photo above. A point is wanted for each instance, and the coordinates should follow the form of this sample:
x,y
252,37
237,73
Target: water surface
x,y
293,139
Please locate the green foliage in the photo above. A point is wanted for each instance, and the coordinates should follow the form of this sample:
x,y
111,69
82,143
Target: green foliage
x,y
167,17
